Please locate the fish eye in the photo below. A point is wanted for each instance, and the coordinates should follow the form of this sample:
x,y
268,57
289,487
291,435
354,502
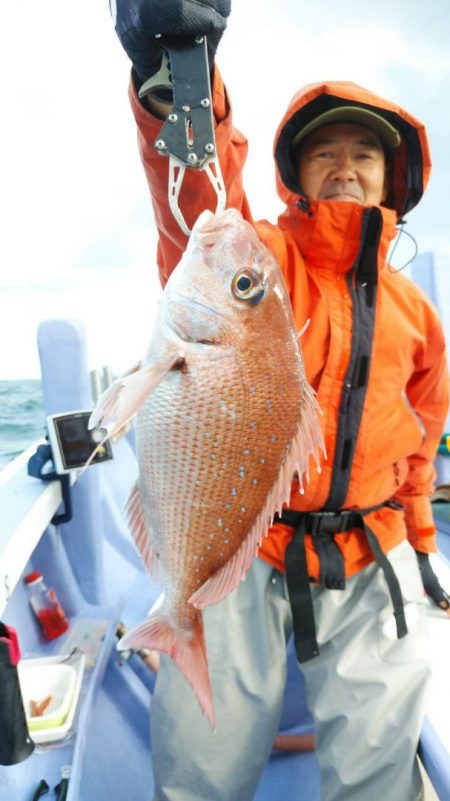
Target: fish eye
x,y
248,285
243,283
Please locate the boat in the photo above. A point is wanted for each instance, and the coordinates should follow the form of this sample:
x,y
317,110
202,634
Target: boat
x,y
74,532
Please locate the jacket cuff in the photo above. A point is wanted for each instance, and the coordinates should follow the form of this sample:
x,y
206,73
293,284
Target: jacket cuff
x,y
420,524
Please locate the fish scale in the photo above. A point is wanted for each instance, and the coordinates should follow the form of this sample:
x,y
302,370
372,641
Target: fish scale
x,y
225,419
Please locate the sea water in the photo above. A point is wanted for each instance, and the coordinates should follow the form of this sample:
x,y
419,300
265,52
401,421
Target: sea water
x,y
22,419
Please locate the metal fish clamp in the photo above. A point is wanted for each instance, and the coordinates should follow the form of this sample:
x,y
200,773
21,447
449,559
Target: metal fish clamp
x,y
187,135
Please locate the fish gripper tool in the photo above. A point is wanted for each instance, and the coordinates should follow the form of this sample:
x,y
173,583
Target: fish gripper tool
x,y
187,135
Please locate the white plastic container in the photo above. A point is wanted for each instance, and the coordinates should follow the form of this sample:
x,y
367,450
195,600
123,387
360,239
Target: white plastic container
x,y
39,682
40,678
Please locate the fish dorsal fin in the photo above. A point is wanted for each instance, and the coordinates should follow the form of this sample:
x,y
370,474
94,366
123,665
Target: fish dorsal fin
x,y
307,441
134,512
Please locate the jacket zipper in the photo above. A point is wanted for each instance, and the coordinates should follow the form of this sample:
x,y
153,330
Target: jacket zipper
x,y
363,296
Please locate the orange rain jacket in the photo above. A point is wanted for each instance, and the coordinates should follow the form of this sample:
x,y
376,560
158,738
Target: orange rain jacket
x,y
374,350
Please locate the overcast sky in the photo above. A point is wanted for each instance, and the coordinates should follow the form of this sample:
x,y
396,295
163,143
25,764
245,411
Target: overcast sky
x,y
77,235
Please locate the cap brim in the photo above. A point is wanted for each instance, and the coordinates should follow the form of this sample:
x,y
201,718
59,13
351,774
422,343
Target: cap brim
x,y
389,136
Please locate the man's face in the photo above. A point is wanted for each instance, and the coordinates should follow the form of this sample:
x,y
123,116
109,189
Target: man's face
x,y
343,162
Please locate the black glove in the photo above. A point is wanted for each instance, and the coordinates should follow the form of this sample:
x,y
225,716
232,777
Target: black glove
x,y
137,22
431,582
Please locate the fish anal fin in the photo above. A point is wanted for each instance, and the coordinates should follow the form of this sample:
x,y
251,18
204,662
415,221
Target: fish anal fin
x,y
186,649
227,578
137,523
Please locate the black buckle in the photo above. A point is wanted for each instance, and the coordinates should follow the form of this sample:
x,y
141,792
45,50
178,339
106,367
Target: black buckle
x,y
317,523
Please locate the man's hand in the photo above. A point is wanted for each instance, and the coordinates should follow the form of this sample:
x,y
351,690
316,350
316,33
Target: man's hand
x,y
138,22
431,583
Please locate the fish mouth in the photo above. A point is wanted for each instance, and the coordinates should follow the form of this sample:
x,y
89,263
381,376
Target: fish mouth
x,y
198,330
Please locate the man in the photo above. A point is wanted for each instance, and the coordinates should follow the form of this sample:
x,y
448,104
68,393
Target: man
x,y
349,166
343,161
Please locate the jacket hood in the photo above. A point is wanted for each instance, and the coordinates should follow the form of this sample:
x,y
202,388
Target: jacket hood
x,y
411,163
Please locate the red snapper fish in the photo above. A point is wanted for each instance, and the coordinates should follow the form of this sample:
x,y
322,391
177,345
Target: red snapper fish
x,y
225,417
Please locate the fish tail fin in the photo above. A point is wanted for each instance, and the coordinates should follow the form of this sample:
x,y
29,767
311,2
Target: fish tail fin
x,y
186,649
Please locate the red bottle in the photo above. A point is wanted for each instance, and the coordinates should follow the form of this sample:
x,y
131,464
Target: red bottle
x,y
46,606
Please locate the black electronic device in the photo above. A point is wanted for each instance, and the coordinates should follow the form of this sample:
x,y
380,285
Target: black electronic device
x,y
72,442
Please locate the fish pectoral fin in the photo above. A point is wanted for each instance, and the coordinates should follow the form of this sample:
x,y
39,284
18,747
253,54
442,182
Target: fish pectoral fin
x,y
186,648
123,399
134,512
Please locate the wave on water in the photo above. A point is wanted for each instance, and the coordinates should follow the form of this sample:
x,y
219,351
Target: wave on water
x,y
22,419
